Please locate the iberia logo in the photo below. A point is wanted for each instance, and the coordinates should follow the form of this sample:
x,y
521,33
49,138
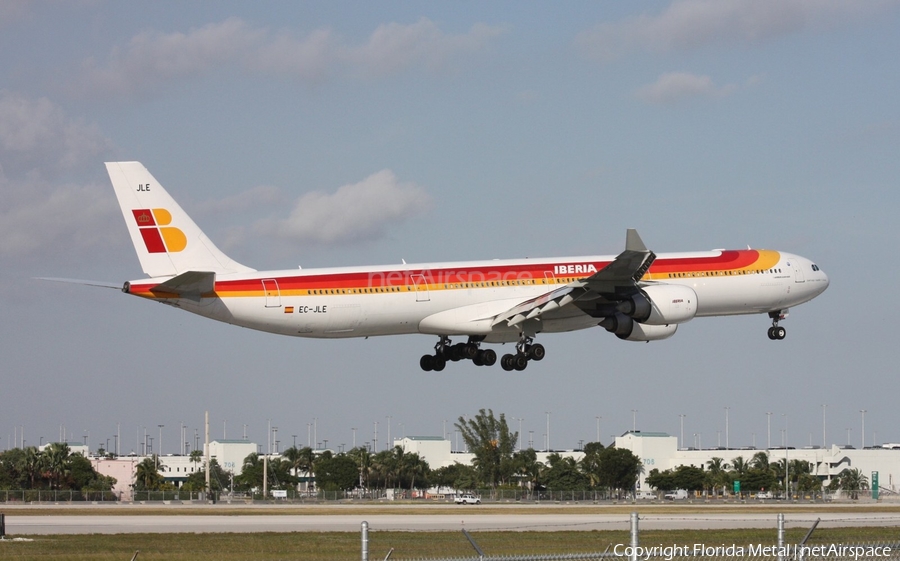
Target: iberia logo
x,y
158,236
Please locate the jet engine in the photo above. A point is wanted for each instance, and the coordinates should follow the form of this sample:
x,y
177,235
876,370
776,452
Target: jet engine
x,y
626,328
661,304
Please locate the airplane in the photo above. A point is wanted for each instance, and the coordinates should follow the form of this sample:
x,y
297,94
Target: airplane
x,y
636,295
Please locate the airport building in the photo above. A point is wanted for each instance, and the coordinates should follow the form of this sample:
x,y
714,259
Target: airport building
x,y
657,450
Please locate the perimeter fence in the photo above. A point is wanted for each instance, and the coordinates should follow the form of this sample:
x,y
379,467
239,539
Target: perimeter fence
x,y
776,550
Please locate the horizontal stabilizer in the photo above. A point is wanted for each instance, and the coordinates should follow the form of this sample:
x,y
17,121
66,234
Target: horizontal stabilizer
x,y
191,285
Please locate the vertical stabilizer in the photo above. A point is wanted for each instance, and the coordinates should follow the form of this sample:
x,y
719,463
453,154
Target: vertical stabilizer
x,y
167,241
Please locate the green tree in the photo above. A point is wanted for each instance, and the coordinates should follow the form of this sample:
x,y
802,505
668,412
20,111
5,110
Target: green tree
x,y
717,474
853,481
619,469
590,463
661,480
363,460
338,473
147,476
56,462
31,464
689,478
491,441
528,469
563,474
455,476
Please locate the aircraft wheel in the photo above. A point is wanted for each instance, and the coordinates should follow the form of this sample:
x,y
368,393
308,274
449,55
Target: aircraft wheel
x,y
439,363
477,361
427,363
488,357
454,353
537,352
779,332
470,351
520,362
507,362
771,333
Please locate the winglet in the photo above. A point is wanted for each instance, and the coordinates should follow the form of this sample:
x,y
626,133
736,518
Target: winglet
x,y
633,241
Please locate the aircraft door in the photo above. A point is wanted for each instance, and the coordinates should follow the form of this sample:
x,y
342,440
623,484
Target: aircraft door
x,y
273,294
421,286
798,272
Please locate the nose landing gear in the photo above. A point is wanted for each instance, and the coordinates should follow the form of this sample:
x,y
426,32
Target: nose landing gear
x,y
776,332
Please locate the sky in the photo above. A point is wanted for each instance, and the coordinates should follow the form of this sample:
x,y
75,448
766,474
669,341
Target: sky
x,y
339,133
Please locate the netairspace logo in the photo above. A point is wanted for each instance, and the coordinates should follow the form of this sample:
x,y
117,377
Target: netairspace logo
x,y
670,552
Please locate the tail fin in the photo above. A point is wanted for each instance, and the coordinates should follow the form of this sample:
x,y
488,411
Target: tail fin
x,y
167,241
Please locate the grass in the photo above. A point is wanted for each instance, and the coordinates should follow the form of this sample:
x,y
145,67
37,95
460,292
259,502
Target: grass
x,y
329,546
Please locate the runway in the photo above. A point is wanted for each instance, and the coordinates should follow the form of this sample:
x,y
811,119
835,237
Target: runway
x,y
469,519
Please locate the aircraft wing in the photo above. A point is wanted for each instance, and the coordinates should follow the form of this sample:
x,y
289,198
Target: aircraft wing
x,y
610,284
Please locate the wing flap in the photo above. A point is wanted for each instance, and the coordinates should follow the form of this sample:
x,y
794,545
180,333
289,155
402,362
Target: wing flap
x,y
611,283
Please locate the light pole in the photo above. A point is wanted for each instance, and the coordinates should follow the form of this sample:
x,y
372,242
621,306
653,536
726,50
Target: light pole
x,y
681,417
862,437
727,447
354,436
389,444
768,430
160,439
598,427
548,430
634,420
824,441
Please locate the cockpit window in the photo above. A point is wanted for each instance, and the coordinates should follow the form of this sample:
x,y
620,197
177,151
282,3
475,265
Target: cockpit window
x,y
815,267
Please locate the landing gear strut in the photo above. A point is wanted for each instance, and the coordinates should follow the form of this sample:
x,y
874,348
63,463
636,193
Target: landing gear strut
x,y
445,351
776,332
525,351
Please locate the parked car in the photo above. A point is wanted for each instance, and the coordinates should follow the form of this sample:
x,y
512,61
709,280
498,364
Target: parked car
x,y
676,495
467,499
765,495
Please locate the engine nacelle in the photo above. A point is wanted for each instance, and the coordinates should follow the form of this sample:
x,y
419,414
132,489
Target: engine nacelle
x,y
626,328
661,304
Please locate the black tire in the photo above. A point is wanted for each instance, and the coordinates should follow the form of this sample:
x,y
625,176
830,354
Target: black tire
x,y
507,362
470,351
477,361
780,333
520,362
537,352
439,363
489,357
427,363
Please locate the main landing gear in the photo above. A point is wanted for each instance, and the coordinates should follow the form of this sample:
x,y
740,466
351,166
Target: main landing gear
x,y
525,351
444,351
776,332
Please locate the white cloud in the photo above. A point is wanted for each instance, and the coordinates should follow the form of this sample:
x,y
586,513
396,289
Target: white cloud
x,y
36,133
677,86
360,211
152,60
688,24
38,212
394,47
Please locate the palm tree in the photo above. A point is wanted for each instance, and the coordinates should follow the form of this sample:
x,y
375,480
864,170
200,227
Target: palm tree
x,y
718,474
32,464
147,476
364,462
760,461
853,481
57,456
